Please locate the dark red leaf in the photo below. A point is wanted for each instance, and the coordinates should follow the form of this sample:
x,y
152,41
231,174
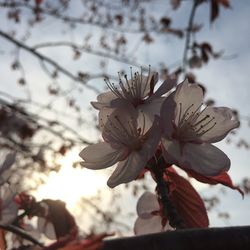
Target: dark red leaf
x,y
61,219
222,178
214,12
175,4
3,244
215,9
207,47
38,2
225,3
187,202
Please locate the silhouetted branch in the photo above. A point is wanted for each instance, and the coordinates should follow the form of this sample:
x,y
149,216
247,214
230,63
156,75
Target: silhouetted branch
x,y
188,34
88,51
21,233
71,19
230,238
47,60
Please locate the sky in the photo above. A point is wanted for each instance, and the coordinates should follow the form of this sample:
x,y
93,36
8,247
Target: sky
x,y
226,80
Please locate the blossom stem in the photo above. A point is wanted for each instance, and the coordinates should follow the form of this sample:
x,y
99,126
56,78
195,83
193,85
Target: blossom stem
x,y
169,211
21,233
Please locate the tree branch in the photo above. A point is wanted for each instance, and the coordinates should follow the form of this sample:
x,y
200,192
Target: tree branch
x,y
88,51
188,34
18,231
47,60
231,238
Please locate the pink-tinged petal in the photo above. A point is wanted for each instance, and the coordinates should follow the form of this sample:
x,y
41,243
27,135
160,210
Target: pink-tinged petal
x,y
205,159
5,172
104,100
154,105
153,136
8,162
147,204
223,122
148,226
171,150
148,83
101,155
128,169
188,98
113,122
145,120
8,207
46,227
168,115
166,86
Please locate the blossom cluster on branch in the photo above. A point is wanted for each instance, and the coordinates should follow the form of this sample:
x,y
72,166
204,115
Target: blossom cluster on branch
x,y
149,129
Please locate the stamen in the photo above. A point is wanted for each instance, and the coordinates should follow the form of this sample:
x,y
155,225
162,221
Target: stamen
x,y
144,122
147,81
186,113
113,88
205,131
179,118
203,119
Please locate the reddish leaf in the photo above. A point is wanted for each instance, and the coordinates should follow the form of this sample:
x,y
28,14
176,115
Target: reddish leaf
x,y
222,178
61,219
175,4
214,10
3,244
225,3
38,2
187,202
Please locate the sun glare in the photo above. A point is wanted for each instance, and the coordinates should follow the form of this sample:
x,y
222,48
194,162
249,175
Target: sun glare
x,y
70,184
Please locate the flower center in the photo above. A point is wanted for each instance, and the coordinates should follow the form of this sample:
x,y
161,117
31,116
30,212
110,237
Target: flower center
x,y
125,134
133,90
192,124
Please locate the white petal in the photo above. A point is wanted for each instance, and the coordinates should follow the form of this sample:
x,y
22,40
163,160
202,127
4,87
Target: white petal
x,y
8,207
101,155
147,204
46,227
8,161
153,139
168,114
154,105
187,97
224,123
104,100
148,82
171,150
118,119
165,87
128,169
205,159
9,214
148,226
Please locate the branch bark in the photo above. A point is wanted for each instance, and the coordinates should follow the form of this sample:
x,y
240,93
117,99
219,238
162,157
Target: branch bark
x,y
189,239
46,59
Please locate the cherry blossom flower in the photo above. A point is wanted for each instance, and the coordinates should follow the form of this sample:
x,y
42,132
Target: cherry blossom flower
x,y
138,91
190,128
149,218
124,142
8,207
6,165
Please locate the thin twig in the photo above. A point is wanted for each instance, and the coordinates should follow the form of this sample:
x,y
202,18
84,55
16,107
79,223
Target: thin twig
x,y
47,60
21,233
188,34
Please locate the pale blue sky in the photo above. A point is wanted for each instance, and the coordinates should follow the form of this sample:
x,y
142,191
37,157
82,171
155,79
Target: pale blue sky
x,y
227,80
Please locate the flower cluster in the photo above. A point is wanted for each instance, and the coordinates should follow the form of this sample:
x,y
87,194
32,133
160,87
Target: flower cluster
x,y
135,121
